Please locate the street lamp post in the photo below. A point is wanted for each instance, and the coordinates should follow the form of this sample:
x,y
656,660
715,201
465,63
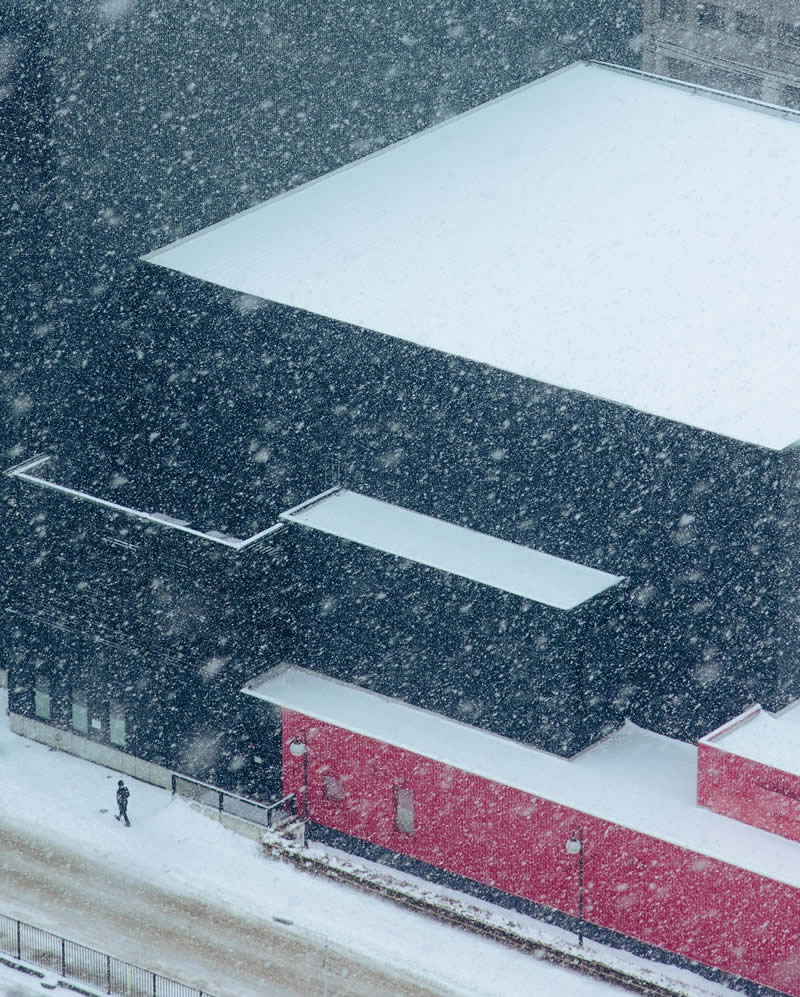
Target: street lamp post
x,y
575,847
299,749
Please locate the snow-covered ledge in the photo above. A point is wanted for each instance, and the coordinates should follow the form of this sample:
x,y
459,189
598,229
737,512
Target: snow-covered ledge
x,y
749,769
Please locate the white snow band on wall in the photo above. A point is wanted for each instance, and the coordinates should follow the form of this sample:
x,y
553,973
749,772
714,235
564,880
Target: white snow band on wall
x,y
455,549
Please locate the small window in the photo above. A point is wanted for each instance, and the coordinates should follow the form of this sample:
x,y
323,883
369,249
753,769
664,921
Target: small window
x,y
790,97
789,33
116,725
41,697
404,814
333,788
80,711
749,24
673,10
710,15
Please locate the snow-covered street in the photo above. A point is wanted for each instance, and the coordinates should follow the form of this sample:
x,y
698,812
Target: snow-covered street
x,y
179,894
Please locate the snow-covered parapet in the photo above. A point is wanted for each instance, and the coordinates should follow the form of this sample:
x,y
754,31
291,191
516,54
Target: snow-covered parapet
x,y
749,769
510,567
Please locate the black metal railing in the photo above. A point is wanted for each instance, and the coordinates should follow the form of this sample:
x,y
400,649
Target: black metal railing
x,y
82,964
269,815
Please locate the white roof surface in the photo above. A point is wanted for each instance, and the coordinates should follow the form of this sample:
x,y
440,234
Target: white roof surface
x,y
455,549
763,737
634,778
594,230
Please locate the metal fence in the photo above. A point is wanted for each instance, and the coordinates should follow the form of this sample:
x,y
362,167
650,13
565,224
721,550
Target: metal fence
x,y
269,815
73,961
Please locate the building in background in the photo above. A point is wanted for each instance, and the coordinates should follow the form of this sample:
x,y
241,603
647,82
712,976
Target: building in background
x,y
745,46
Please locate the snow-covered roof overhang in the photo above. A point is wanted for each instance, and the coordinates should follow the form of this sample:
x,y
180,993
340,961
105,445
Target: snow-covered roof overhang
x,y
766,738
634,778
395,530
596,230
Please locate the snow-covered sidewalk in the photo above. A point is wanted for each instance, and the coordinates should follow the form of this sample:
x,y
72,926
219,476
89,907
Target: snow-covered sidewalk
x,y
64,855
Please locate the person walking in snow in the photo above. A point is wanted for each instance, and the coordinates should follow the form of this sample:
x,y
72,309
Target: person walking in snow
x,y
122,802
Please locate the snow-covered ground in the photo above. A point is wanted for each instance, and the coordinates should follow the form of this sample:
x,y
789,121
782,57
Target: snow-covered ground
x,y
179,894
16,984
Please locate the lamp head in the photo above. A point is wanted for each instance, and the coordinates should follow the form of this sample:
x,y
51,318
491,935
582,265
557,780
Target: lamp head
x,y
574,845
297,748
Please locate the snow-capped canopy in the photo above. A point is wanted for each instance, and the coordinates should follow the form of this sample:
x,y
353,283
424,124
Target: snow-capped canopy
x,y
511,567
595,230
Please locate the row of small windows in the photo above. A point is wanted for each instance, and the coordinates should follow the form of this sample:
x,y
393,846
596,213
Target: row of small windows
x,y
712,15
110,720
333,789
713,76
720,79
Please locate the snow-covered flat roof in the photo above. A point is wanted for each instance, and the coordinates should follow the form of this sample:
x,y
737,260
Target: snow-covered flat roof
x,y
773,740
482,558
634,778
594,230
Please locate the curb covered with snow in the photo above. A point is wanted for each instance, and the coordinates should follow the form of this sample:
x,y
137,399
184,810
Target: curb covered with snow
x,y
520,931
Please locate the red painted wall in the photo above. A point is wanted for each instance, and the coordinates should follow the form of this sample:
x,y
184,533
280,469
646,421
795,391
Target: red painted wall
x,y
667,896
748,791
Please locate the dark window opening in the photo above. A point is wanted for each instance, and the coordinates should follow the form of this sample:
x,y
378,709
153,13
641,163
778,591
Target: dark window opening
x,y
41,697
673,10
80,711
749,24
332,787
790,97
117,727
789,33
404,810
710,15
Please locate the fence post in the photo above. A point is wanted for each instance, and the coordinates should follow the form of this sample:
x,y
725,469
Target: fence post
x,y
63,958
154,985
174,786
108,974
19,940
221,796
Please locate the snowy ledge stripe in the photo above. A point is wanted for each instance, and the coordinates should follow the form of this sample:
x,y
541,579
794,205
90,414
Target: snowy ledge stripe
x,y
22,472
479,557
394,530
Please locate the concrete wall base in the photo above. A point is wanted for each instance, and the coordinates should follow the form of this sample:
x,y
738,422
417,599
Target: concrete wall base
x,y
233,823
92,751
